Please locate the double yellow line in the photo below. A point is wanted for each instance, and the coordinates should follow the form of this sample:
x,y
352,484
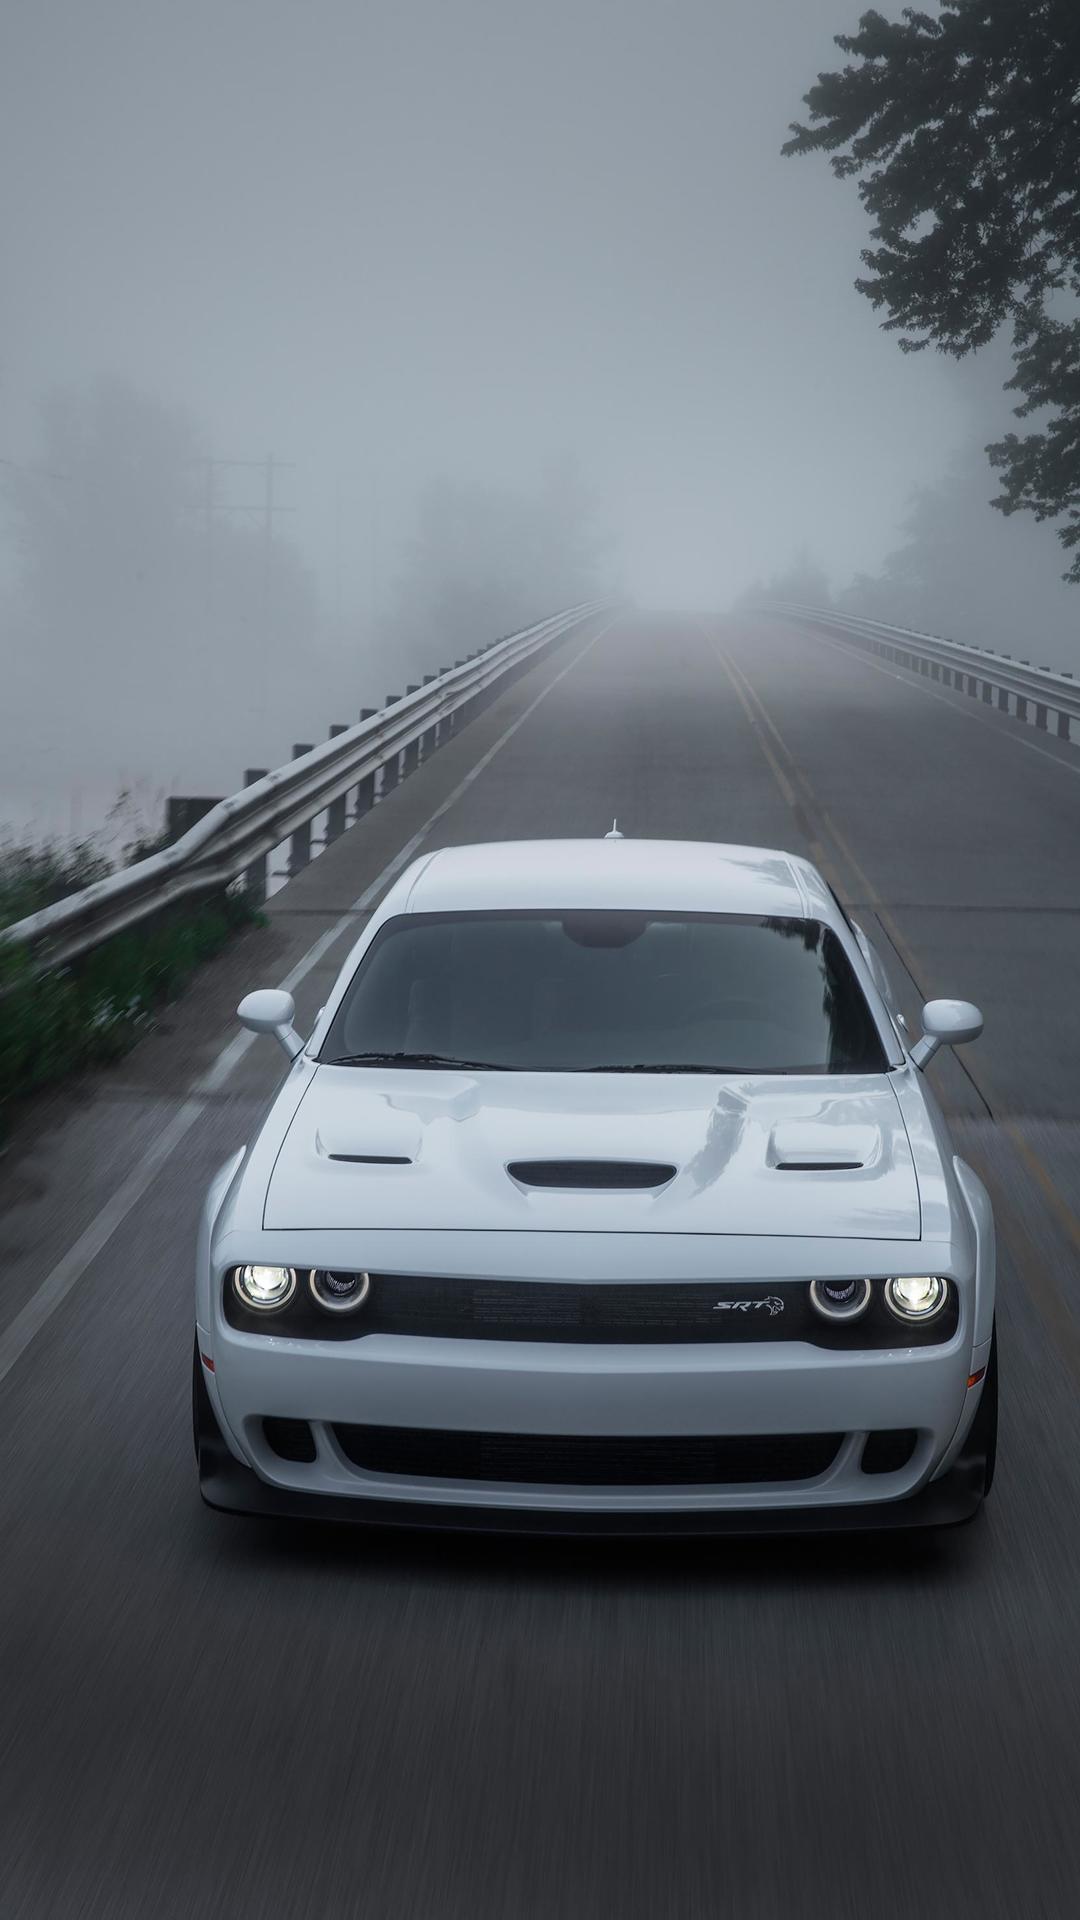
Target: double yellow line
x,y
822,836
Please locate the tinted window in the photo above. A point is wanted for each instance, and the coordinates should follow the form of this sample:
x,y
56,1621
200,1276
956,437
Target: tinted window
x,y
545,992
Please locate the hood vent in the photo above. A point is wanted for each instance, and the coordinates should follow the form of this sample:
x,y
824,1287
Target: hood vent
x,y
800,1146
597,1176
793,1164
373,1159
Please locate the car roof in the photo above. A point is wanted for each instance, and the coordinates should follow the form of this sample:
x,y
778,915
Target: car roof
x,y
689,876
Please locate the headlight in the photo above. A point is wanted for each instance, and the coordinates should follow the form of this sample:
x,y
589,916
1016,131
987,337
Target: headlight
x,y
339,1292
264,1288
840,1299
916,1297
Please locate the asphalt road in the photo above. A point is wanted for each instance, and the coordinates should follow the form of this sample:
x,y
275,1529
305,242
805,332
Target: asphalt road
x,y
207,1717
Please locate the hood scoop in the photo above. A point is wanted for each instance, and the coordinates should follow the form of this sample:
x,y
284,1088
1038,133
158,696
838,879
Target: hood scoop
x,y
804,1147
367,1146
596,1176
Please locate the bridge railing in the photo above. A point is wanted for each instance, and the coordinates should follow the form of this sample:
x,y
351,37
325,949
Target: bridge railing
x,y
235,836
1015,686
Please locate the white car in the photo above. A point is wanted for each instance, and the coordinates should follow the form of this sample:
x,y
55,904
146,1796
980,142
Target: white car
x,y
608,1193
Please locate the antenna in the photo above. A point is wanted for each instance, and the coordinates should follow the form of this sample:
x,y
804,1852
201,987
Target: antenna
x,y
614,833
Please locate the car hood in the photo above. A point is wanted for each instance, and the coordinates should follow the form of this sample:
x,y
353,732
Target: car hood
x,y
369,1148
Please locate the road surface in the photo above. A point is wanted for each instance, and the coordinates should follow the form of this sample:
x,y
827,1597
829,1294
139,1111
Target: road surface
x,y
203,1717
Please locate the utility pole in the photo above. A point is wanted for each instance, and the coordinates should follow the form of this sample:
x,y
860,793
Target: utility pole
x,y
267,509
373,554
209,502
337,554
268,527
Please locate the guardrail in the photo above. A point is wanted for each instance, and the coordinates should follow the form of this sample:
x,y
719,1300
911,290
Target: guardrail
x,y
1014,686
235,837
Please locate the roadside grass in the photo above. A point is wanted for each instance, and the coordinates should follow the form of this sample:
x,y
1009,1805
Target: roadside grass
x,y
55,1021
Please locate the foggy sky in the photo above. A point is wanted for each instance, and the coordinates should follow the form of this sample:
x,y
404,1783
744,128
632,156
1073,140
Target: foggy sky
x,y
391,242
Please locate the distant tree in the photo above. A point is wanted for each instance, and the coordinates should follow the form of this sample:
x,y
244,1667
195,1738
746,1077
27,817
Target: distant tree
x,y
958,571
964,132
120,573
145,647
483,561
802,582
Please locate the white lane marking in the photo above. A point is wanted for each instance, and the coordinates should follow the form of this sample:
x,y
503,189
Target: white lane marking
x,y
69,1270
908,679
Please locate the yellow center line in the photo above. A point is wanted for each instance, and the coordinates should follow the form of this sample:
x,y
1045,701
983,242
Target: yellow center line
x,y
866,885
786,788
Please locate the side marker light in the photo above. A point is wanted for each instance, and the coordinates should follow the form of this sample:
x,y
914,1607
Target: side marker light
x,y
209,1365
974,1378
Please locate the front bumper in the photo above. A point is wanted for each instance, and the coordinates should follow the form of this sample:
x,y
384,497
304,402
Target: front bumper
x,y
509,1389
230,1487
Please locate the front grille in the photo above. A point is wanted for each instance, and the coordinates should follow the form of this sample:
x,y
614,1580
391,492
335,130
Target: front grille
x,y
609,1313
589,1460
597,1175
621,1313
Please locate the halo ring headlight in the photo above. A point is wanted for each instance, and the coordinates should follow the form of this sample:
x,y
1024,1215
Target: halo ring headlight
x,y
916,1297
338,1291
840,1299
264,1288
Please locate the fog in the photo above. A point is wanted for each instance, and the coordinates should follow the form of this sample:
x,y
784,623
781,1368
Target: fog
x,y
524,304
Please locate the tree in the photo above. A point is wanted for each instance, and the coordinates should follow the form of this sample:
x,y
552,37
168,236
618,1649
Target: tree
x,y
146,649
802,582
483,562
959,572
964,133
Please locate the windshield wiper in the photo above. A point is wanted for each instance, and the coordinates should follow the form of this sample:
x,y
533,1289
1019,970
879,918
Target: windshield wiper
x,y
414,1060
655,1066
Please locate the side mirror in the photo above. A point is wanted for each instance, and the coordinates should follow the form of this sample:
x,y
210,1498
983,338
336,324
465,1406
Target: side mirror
x,y
271,1011
946,1023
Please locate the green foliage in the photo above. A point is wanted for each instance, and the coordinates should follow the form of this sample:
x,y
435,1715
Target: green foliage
x,y
36,877
93,1010
964,132
1042,470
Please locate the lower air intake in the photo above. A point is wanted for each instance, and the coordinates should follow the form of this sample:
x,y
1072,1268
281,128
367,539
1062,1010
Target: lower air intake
x,y
887,1450
599,1175
290,1439
589,1460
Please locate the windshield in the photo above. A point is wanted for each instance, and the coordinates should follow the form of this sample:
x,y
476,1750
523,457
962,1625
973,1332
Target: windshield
x,y
606,992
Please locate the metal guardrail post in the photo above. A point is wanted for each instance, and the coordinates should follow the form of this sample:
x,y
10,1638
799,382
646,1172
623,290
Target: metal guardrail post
x,y
300,838
410,759
182,812
256,876
365,791
457,717
429,740
335,812
391,769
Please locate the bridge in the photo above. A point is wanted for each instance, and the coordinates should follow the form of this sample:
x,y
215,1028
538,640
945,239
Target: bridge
x,y
235,1719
